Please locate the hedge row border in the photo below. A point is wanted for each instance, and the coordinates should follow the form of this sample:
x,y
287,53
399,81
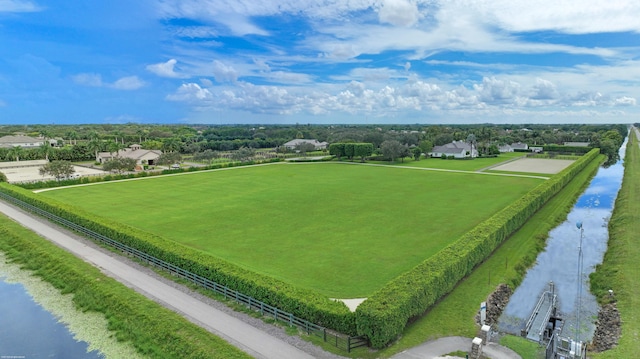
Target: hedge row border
x,y
383,316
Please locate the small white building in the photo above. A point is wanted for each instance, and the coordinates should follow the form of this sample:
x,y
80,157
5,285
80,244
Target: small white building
x,y
134,151
519,146
20,140
457,149
294,143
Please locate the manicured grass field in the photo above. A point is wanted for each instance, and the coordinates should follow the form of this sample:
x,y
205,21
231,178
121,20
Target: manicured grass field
x,y
463,165
341,229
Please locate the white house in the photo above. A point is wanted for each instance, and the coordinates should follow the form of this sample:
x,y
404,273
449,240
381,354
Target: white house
x,y
135,152
294,143
20,140
505,148
457,149
519,146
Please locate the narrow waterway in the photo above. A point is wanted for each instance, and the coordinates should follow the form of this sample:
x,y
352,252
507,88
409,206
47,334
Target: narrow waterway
x,y
559,262
27,330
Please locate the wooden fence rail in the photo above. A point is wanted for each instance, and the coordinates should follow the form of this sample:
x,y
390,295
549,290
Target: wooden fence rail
x,y
340,340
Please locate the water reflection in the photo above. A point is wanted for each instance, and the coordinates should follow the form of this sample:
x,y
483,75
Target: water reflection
x,y
559,261
27,330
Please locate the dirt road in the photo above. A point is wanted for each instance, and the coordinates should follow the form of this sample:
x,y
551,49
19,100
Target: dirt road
x,y
247,337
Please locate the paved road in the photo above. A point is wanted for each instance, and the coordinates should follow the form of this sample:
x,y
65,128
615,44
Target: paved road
x,y
440,347
246,337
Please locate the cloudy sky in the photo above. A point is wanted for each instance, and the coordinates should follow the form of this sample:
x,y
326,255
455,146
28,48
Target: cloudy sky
x,y
319,61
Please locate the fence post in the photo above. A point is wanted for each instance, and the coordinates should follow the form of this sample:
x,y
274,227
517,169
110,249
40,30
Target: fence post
x,y
349,344
324,334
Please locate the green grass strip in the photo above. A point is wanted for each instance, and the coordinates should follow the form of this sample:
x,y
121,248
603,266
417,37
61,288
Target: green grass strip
x,y
620,270
153,330
454,314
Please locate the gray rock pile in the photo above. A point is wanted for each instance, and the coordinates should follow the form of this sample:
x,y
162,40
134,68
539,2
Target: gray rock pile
x,y
607,328
496,302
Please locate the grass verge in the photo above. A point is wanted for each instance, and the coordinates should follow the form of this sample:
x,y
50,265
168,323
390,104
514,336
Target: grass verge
x,y
154,331
619,270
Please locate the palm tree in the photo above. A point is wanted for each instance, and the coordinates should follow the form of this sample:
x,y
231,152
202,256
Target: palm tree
x,y
94,145
73,137
112,147
171,144
45,149
16,152
471,139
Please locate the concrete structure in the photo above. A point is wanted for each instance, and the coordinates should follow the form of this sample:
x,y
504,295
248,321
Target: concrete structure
x,y
519,146
505,148
135,152
294,143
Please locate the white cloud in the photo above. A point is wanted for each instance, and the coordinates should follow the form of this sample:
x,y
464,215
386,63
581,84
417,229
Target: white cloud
x,y
577,17
197,32
224,73
165,69
86,79
399,12
190,92
625,101
95,80
493,91
18,6
128,83
544,90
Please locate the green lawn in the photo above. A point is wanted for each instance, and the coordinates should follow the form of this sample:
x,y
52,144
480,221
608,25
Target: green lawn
x,y
454,314
464,165
343,230
620,270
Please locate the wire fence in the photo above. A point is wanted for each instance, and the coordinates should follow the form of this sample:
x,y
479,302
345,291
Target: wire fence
x,y
339,340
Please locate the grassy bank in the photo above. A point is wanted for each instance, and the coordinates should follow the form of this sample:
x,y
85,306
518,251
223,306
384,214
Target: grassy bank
x,y
154,331
620,270
454,315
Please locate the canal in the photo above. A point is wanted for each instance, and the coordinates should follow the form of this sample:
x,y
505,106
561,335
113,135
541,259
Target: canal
x,y
560,260
37,321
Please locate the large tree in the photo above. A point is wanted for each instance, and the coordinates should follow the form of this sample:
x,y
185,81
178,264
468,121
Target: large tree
x,y
58,169
305,147
120,164
169,158
392,149
243,154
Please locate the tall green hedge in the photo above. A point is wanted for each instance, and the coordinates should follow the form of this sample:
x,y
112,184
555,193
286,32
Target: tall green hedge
x,y
383,316
302,303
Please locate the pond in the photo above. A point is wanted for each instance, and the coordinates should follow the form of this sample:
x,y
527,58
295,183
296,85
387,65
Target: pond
x,y
37,321
27,330
559,262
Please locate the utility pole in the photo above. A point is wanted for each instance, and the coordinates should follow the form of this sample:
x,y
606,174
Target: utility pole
x,y
579,293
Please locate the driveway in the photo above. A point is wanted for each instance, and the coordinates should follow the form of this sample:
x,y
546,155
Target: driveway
x,y
440,347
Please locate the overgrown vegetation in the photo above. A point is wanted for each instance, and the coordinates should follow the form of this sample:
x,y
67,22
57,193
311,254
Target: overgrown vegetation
x,y
154,331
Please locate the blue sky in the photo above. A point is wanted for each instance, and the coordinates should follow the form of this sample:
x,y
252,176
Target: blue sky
x,y
319,61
